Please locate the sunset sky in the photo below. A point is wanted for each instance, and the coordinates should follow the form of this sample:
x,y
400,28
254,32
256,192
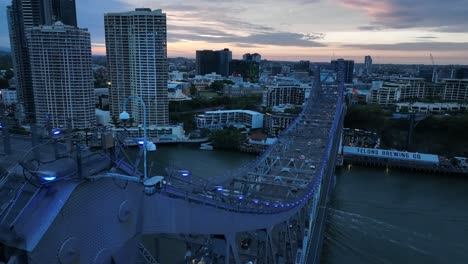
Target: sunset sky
x,y
391,31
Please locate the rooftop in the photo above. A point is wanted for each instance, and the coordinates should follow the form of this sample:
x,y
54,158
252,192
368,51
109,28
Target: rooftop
x,y
233,111
138,11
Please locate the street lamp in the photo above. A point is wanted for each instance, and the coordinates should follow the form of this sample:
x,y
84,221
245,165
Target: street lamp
x,y
124,116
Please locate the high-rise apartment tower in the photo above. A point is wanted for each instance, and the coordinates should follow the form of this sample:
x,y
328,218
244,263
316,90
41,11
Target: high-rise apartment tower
x,y
22,15
62,75
208,61
368,64
137,63
344,70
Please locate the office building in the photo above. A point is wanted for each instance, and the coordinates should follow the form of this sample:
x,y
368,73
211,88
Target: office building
x,y
206,62
209,61
136,46
344,70
215,120
368,64
178,91
439,74
249,70
242,89
420,107
252,57
22,15
201,82
418,89
8,96
224,58
276,122
302,66
62,76
285,94
65,11
384,93
455,90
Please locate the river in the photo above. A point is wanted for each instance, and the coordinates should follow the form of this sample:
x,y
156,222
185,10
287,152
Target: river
x,y
379,216
375,216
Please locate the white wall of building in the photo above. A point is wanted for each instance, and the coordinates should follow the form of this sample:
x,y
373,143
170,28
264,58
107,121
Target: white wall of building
x,y
222,118
102,117
8,96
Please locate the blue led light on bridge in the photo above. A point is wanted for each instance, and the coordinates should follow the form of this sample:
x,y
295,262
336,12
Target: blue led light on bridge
x,y
255,201
219,188
56,132
46,176
240,197
184,173
141,142
49,178
275,205
267,203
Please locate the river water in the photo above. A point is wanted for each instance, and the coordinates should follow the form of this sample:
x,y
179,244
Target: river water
x,y
397,217
376,216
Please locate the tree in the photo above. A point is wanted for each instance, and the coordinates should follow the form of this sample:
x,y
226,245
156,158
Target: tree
x,y
4,83
229,138
193,90
8,74
217,86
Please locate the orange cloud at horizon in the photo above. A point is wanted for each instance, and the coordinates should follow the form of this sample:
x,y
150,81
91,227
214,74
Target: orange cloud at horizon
x,y
320,54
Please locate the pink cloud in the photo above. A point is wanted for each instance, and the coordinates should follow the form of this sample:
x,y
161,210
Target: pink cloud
x,y
372,8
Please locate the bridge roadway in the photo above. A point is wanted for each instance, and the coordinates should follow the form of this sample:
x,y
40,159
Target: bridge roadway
x,y
277,187
99,217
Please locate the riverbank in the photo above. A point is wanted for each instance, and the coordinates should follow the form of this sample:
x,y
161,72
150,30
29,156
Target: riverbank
x,y
442,135
413,161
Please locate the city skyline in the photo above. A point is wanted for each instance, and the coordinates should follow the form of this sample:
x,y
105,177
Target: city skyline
x,y
392,31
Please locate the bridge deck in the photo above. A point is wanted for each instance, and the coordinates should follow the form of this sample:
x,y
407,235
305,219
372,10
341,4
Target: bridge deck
x,y
283,176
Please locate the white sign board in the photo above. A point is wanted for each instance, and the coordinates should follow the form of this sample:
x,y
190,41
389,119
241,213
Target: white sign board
x,y
390,154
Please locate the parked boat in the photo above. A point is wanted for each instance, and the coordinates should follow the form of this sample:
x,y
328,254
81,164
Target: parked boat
x,y
132,142
206,146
